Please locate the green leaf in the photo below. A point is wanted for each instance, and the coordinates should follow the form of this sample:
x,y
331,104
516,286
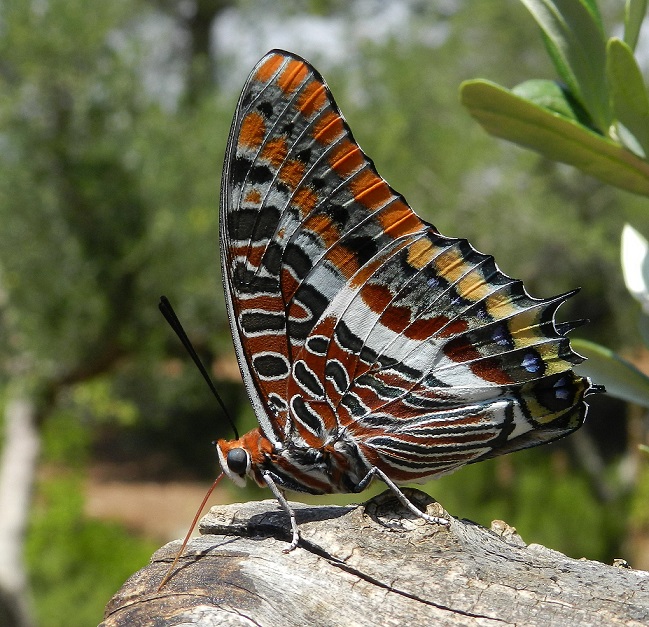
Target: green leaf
x,y
593,9
634,13
576,43
629,97
504,114
553,96
621,378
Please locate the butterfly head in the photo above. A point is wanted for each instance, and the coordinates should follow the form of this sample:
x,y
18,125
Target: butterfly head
x,y
236,465
241,458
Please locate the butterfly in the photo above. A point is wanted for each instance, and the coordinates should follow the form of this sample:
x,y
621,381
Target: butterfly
x,y
371,346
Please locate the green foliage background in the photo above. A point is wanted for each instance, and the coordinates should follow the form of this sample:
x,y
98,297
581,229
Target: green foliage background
x,y
109,198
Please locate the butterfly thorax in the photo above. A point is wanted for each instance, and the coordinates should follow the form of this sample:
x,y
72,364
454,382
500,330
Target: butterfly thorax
x,y
336,466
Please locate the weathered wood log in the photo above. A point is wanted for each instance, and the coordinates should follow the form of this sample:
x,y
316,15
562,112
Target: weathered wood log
x,y
369,565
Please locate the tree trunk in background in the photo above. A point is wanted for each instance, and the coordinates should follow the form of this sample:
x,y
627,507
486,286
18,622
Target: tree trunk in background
x,y
17,472
373,565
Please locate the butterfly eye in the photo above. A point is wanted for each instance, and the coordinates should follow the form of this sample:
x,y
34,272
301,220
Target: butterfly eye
x,y
238,461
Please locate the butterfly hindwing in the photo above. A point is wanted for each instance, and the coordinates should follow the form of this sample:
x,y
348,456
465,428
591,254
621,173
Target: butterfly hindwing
x,y
449,361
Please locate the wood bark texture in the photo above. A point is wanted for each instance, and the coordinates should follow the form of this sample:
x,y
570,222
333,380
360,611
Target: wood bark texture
x,y
372,565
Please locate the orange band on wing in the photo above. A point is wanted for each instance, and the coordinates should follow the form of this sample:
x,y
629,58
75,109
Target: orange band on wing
x,y
312,99
266,71
293,76
370,190
253,131
329,128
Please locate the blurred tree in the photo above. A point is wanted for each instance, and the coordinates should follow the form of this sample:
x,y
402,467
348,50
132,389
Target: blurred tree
x,y
195,21
81,228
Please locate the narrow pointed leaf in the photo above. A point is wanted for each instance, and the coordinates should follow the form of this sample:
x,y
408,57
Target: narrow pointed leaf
x,y
621,378
634,14
577,45
553,96
504,114
629,97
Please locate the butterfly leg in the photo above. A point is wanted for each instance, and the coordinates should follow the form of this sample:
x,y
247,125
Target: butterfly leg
x,y
376,472
285,506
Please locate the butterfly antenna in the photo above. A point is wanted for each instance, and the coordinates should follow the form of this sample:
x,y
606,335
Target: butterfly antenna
x,y
170,316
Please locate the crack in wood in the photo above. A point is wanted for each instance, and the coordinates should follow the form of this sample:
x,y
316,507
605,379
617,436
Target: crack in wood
x,y
334,561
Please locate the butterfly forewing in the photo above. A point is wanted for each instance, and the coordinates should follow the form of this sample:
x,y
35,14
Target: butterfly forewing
x,y
302,210
350,314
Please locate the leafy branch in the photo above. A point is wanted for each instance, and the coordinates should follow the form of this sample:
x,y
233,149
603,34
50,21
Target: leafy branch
x,y
595,118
